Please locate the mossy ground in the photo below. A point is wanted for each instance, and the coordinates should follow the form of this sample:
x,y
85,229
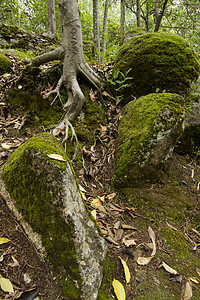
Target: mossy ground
x,y
158,62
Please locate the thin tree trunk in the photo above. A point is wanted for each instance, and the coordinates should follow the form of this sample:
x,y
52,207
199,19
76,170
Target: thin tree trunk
x,y
122,20
138,14
51,18
105,20
96,29
160,17
157,9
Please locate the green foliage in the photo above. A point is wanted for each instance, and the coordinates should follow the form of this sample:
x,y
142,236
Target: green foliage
x,y
5,64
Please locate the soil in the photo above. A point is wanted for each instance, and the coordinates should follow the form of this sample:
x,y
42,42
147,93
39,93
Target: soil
x,y
170,208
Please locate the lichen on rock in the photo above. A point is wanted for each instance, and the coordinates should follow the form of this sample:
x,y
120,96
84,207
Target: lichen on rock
x,y
147,134
44,190
158,62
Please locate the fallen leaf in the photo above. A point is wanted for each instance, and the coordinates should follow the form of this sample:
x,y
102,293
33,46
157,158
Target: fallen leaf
x,y
168,268
102,130
110,239
117,225
126,270
94,213
15,262
198,271
119,290
187,295
5,146
144,260
124,226
4,240
111,196
6,285
129,243
153,238
56,157
97,203
106,94
194,279
118,234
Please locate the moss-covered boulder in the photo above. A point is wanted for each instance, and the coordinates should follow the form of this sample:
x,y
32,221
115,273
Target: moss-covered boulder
x,y
147,134
5,64
155,62
131,33
44,191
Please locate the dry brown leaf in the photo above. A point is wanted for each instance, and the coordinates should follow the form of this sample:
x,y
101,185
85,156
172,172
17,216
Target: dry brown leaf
x,y
94,213
97,203
169,269
126,270
111,196
5,146
106,94
187,295
118,234
144,260
102,130
110,239
198,271
124,226
129,243
153,238
117,225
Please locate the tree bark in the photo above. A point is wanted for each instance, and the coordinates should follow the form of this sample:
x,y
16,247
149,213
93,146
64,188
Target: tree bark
x,y
122,20
51,18
138,14
70,53
105,21
160,17
157,9
96,29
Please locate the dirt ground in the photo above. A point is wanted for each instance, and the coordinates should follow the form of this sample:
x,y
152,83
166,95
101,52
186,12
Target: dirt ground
x,y
133,222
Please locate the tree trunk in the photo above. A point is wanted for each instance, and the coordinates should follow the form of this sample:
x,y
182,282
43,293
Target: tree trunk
x,y
157,9
51,18
96,29
105,20
138,14
70,52
122,20
160,17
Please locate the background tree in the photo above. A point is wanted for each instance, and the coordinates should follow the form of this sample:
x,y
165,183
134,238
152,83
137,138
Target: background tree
x,y
104,33
51,18
96,29
122,19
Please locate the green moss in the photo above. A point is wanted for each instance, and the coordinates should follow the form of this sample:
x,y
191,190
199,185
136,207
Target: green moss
x,y
105,291
144,123
158,61
35,196
5,64
41,113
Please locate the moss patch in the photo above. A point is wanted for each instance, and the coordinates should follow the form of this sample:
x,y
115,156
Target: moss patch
x,y
145,123
5,64
34,184
158,61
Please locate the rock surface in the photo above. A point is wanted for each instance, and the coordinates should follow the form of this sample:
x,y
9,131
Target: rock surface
x,y
5,64
148,131
44,191
156,62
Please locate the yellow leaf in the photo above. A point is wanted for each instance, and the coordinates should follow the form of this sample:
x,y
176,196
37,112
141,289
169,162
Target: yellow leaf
x,y
194,279
126,270
97,203
169,269
5,146
144,260
188,291
56,156
119,290
6,285
4,240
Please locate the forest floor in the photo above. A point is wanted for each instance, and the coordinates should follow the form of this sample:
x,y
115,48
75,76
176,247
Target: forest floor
x,y
135,223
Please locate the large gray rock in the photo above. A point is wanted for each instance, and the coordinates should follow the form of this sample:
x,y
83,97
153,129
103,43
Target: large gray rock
x,y
45,196
147,134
